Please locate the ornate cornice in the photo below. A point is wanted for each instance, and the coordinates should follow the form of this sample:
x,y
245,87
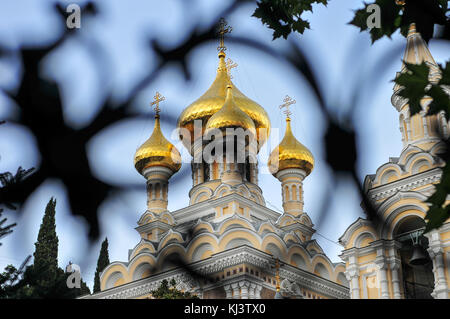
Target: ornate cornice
x,y
411,182
218,262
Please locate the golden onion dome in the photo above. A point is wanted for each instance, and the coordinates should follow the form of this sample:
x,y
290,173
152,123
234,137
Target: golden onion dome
x,y
213,100
230,115
157,151
291,154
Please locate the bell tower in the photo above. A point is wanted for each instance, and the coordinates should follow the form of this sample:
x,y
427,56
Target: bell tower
x,y
419,130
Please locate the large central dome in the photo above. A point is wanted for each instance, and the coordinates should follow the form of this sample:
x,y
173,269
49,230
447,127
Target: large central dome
x,y
213,100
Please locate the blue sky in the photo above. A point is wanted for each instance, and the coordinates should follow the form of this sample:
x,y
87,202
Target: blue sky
x,y
341,57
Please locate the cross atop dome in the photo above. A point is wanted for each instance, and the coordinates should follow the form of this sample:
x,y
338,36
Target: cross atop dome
x,y
223,29
288,101
157,99
230,65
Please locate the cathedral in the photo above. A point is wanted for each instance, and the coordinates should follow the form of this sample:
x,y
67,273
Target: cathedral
x,y
227,244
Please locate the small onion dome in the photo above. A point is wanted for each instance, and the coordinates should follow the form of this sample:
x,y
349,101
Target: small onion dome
x,y
212,101
157,151
291,154
230,115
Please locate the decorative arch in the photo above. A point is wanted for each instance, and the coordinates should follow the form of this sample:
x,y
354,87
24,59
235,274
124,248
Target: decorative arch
x,y
222,190
416,161
314,246
202,225
342,279
200,192
114,274
198,240
243,190
322,266
295,253
167,218
146,218
170,236
291,237
144,258
406,217
143,270
234,220
202,251
274,245
266,227
408,152
364,239
236,233
395,213
142,246
305,220
322,271
402,199
115,279
387,173
236,242
173,250
356,228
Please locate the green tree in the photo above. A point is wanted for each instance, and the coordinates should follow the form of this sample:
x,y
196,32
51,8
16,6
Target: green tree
x,y
42,279
165,291
46,253
103,261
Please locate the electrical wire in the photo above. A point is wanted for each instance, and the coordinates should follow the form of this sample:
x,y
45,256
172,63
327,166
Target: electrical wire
x,y
330,240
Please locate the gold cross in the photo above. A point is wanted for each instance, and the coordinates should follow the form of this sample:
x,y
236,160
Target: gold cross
x,y
157,98
230,65
222,30
287,102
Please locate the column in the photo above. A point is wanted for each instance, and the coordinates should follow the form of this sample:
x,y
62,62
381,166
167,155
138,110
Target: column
x,y
425,124
236,291
383,282
228,291
352,274
408,128
396,280
244,289
440,288
251,291
258,291
436,252
381,263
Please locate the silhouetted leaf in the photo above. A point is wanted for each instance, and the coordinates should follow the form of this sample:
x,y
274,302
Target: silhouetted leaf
x,y
413,83
284,16
425,14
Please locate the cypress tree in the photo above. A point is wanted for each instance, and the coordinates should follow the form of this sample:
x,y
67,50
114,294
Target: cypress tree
x,y
46,253
103,261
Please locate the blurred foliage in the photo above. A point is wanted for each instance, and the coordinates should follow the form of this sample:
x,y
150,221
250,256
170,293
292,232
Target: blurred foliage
x,y
11,183
62,148
5,230
425,14
165,291
284,16
415,86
